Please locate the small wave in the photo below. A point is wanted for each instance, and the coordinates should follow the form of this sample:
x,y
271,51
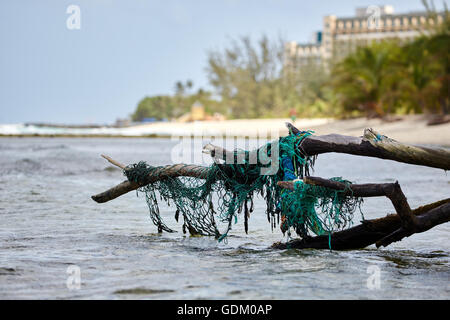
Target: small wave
x,y
142,291
7,271
41,148
110,169
26,165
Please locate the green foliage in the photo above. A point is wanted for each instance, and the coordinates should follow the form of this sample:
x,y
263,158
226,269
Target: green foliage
x,y
158,107
253,81
170,107
393,77
258,79
366,80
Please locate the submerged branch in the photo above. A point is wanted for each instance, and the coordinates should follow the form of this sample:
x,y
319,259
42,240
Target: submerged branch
x,y
362,235
382,231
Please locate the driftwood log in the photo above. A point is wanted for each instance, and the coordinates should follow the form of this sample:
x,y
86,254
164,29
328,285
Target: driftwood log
x,y
382,231
383,148
371,144
164,172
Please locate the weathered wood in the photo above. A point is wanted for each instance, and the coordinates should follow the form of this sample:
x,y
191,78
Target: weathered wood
x,y
409,222
390,190
381,232
357,190
114,162
423,223
383,148
116,191
161,173
362,235
372,144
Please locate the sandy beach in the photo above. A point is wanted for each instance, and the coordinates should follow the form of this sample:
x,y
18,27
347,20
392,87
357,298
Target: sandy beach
x,y
411,129
408,129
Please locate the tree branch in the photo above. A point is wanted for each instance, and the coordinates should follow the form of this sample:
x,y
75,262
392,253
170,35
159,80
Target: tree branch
x,y
372,144
409,223
362,235
161,173
381,231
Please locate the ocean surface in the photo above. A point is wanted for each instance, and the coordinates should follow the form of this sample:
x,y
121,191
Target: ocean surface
x,y
57,243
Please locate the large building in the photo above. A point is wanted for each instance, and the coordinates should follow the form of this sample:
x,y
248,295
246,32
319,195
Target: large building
x,y
340,36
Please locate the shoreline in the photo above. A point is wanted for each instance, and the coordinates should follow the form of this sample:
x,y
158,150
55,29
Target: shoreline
x,y
407,129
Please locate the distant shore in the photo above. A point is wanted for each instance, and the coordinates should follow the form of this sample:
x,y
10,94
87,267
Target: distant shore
x,y
408,129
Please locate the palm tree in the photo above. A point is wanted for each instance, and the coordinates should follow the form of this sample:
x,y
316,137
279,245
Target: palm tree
x,y
367,80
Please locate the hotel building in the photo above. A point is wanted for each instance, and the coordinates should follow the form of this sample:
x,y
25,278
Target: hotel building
x,y
341,36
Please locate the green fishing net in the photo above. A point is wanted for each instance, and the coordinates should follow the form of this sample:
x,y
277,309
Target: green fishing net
x,y
223,191
318,209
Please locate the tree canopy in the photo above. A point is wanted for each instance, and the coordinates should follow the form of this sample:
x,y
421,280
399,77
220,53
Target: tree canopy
x,y
256,79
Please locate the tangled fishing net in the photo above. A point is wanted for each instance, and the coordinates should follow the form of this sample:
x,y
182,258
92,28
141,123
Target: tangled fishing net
x,y
226,190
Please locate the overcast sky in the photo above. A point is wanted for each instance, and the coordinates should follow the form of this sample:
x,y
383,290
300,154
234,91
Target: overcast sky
x,y
125,50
